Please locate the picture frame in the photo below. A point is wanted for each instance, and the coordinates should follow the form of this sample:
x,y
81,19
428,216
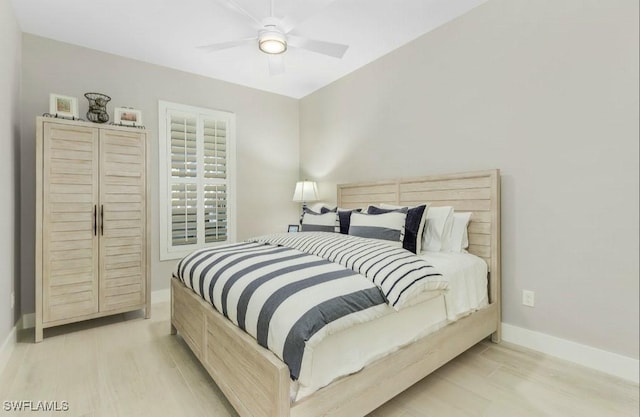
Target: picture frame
x,y
293,228
126,116
63,106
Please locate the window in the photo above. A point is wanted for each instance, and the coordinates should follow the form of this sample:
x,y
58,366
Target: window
x,y
197,171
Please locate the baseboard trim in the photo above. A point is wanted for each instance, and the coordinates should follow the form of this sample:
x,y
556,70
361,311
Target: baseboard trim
x,y
7,348
590,357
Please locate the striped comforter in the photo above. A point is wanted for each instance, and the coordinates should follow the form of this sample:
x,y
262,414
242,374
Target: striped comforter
x,y
287,288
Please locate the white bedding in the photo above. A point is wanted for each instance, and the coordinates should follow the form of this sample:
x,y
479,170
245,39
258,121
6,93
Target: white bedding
x,y
345,352
467,275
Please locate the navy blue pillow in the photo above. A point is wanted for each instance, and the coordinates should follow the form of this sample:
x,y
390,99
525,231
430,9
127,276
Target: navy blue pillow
x,y
412,235
344,216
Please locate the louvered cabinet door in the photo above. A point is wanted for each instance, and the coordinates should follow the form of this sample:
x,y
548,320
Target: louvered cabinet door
x,y
69,241
122,220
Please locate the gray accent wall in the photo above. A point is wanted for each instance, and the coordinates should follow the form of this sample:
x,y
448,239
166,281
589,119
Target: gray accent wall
x,y
10,53
267,135
546,91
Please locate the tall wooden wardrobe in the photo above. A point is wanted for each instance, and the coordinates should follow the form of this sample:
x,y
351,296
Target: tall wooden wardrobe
x,y
92,221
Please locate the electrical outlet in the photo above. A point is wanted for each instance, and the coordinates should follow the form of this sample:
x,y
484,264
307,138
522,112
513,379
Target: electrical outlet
x,y
13,300
528,298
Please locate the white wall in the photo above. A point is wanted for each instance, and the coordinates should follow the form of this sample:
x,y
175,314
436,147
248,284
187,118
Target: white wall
x,y
545,90
267,134
10,52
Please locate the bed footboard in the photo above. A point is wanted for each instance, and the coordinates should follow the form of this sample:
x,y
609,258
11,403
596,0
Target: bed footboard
x,y
252,378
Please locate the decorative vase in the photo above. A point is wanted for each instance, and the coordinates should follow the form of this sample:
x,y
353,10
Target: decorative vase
x,y
97,107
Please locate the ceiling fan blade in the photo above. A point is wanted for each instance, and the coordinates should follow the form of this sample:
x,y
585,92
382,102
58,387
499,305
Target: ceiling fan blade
x,y
276,64
335,50
234,6
300,14
226,45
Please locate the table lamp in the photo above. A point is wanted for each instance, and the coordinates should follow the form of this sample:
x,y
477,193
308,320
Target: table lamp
x,y
305,192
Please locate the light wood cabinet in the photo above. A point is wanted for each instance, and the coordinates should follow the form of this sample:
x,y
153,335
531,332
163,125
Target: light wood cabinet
x,y
92,215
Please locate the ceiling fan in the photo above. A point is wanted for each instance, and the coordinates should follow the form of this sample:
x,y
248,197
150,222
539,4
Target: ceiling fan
x,y
274,36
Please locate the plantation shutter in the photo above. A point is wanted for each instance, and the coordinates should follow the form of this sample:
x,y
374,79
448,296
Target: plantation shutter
x,y
184,190
215,175
198,183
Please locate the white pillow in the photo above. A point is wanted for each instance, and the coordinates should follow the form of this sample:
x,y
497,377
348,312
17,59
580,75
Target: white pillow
x,y
459,234
316,222
387,226
438,228
446,234
317,207
414,228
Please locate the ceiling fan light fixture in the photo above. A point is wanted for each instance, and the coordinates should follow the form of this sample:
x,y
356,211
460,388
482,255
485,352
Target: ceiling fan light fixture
x,y
272,41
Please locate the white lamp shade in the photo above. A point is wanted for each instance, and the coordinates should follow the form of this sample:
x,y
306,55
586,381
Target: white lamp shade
x,y
306,191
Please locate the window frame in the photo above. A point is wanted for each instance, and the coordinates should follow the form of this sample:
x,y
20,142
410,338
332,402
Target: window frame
x,y
168,251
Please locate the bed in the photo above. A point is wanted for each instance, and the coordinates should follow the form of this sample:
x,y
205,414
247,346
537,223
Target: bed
x,y
258,383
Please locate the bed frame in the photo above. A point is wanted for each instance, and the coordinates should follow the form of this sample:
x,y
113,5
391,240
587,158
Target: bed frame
x,y
256,382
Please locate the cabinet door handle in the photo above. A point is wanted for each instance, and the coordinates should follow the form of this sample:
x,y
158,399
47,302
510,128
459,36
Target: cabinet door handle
x,y
95,220
101,219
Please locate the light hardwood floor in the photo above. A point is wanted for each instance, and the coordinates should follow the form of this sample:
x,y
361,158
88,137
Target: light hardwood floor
x,y
128,366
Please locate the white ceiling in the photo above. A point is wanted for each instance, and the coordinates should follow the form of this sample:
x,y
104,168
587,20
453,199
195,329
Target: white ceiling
x,y
167,32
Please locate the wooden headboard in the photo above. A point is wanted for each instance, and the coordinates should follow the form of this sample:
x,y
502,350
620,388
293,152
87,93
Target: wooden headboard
x,y
476,192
